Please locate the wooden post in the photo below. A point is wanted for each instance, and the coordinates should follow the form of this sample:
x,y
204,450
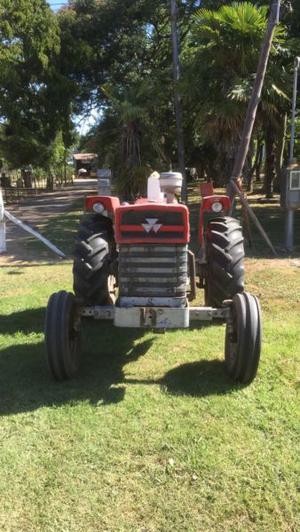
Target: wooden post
x,y
251,116
177,96
256,92
254,218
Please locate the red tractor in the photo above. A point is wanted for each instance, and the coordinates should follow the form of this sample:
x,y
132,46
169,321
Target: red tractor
x,y
133,266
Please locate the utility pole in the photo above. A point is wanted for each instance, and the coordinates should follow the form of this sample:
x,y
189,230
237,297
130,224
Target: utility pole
x,y
177,97
294,109
289,217
2,225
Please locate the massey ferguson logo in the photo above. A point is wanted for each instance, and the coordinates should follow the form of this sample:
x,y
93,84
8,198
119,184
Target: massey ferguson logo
x,y
152,225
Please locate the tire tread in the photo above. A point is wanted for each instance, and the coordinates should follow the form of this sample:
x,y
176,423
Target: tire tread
x,y
225,257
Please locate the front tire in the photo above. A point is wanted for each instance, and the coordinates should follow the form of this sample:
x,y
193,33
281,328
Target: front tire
x,y
225,260
243,338
62,335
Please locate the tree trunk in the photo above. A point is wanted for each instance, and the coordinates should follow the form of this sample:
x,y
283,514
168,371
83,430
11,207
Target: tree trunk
x,y
270,165
260,158
249,167
256,167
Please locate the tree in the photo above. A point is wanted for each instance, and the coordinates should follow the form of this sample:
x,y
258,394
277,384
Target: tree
x,y
32,103
117,44
119,54
221,60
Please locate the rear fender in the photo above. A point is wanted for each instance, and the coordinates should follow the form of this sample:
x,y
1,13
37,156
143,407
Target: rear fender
x,y
110,204
207,208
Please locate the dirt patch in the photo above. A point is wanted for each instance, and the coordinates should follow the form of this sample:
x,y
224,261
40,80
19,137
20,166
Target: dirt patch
x,y
37,212
40,210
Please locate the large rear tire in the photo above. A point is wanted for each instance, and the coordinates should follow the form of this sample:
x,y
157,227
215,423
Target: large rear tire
x,y
93,261
225,260
62,335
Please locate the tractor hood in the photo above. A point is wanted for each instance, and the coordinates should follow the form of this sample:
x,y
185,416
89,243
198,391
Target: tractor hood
x,y
152,223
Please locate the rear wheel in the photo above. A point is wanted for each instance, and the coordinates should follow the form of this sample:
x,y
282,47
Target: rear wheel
x,y
93,261
243,338
225,260
62,335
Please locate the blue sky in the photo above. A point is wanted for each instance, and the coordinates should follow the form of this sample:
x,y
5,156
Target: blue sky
x,y
56,4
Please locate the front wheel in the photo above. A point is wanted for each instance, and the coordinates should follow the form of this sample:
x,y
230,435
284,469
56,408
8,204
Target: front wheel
x,y
243,338
62,335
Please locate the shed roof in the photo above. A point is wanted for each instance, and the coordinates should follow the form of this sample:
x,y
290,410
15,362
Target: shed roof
x,y
84,156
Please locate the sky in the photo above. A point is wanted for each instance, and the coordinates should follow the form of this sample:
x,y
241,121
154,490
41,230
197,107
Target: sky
x,y
56,4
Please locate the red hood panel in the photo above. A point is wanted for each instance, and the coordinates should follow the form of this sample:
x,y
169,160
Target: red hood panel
x,y
152,223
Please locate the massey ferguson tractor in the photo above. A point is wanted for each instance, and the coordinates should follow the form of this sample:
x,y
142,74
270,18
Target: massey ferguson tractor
x,y
133,267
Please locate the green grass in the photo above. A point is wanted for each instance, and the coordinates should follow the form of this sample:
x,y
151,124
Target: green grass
x,y
152,435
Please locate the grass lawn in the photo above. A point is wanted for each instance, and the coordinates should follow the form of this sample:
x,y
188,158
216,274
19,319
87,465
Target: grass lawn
x,y
152,436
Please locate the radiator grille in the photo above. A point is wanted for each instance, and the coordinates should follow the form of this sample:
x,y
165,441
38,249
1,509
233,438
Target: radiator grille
x,y
153,270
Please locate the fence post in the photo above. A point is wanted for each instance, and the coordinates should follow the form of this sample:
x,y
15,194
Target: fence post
x,y
2,225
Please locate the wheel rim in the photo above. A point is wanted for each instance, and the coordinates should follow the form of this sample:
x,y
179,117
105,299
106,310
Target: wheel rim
x,y
111,289
235,337
74,338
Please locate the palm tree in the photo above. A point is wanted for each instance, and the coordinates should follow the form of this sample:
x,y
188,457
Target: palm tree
x,y
222,59
135,136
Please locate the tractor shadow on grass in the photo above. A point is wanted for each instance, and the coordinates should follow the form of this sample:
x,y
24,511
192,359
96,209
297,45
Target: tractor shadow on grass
x,y
26,384
198,379
194,379
26,321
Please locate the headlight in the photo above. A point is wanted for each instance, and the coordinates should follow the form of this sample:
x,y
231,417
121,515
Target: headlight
x,y
98,208
217,206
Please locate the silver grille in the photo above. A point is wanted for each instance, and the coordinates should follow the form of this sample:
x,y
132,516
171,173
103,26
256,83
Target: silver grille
x,y
153,270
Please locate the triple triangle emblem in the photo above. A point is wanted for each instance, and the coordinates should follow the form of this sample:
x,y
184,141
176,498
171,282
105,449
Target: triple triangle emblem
x,y
152,225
